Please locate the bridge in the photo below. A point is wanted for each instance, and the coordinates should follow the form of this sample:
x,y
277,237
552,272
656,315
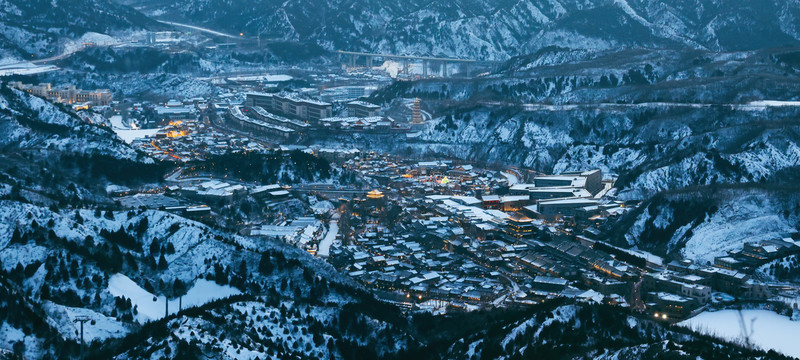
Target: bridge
x,y
427,62
331,191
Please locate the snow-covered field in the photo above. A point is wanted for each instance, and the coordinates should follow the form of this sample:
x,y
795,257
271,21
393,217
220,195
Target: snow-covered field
x,y
202,292
327,241
267,78
769,330
127,134
25,68
512,179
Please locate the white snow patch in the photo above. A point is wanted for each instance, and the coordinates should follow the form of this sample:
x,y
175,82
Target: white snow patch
x,y
327,241
770,331
202,292
127,134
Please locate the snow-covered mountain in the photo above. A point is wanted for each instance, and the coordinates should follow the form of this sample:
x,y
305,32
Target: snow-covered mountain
x,y
650,147
41,28
702,223
497,29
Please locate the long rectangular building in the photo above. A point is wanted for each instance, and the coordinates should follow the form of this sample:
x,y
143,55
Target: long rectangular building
x,y
262,114
245,122
591,180
363,109
558,208
69,94
290,106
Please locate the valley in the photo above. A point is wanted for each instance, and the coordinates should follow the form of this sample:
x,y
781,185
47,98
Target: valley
x,y
519,179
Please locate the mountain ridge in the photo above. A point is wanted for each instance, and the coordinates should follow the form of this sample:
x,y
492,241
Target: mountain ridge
x,y
497,30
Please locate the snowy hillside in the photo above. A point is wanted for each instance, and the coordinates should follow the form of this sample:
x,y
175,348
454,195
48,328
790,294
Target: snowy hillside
x,y
112,265
705,223
496,29
29,123
770,331
582,331
44,28
652,148
658,127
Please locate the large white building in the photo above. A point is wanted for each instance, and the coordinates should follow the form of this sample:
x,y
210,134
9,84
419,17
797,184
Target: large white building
x,y
67,95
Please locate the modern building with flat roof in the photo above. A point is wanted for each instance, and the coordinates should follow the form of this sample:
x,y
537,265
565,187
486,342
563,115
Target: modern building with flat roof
x,y
591,180
559,208
290,106
245,122
362,109
557,193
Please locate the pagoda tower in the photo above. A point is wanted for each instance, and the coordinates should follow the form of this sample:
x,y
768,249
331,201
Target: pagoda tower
x,y
416,117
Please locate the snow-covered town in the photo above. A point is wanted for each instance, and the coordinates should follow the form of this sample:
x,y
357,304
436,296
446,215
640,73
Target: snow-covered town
x,y
438,234
432,234
375,180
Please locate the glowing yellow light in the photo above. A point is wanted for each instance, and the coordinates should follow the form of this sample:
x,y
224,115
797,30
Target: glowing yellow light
x,y
375,194
175,134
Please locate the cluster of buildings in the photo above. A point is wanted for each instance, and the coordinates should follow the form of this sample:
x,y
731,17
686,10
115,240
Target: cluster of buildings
x,y
458,235
754,254
345,93
681,288
357,124
290,116
67,94
420,178
459,244
190,139
180,110
361,116
363,109
411,272
569,195
303,232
